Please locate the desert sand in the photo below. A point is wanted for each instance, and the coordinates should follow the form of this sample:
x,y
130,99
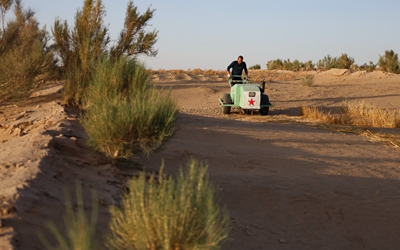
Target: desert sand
x,y
286,182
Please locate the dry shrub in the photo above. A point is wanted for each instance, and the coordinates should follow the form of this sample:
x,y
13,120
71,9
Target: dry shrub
x,y
176,71
163,213
196,71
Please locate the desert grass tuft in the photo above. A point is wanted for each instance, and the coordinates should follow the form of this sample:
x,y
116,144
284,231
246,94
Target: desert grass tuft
x,y
356,114
308,81
123,113
161,212
355,118
80,230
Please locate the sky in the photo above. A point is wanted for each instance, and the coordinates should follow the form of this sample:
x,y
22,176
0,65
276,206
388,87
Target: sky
x,y
210,34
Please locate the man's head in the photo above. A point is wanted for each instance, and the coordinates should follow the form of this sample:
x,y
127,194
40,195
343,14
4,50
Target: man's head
x,y
240,59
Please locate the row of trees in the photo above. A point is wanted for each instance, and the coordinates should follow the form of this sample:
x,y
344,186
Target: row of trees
x,y
389,62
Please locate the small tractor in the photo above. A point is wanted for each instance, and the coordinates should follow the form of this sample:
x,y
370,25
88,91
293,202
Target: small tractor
x,y
246,96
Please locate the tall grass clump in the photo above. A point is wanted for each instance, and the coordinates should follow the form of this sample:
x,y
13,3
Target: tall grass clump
x,y
123,114
161,212
80,229
356,114
361,114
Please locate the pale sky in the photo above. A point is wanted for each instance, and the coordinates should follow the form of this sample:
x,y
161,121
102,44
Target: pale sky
x,y
210,34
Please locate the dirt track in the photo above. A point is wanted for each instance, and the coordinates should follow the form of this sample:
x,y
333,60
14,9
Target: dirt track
x,y
286,184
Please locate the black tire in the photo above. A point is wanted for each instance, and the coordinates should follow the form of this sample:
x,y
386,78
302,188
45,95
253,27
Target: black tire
x,y
264,101
226,99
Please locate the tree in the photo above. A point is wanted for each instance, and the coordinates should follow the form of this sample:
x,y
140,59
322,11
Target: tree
x,y
81,47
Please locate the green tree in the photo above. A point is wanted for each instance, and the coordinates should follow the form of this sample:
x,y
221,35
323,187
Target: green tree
x,y
389,62
81,47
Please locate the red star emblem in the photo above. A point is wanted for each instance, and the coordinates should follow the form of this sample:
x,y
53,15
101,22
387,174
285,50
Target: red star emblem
x,y
251,102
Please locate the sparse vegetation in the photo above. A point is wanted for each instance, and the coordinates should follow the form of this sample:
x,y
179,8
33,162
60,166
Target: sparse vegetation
x,y
163,213
123,113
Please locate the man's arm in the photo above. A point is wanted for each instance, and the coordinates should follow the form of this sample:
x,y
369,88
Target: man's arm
x,y
230,66
245,69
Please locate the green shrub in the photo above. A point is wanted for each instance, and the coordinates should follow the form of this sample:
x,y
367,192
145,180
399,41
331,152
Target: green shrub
x,y
342,62
257,66
25,59
287,65
123,113
389,62
309,66
163,213
88,41
275,64
296,65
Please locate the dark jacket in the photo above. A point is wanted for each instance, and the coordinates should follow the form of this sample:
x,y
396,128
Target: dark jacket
x,y
237,68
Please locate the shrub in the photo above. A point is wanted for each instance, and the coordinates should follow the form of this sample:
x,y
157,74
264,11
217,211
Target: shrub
x,y
257,66
389,62
275,64
123,113
296,65
342,62
82,46
25,59
309,65
287,65
163,213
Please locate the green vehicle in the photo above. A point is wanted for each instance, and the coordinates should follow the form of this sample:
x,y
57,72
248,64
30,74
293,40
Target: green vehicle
x,y
245,96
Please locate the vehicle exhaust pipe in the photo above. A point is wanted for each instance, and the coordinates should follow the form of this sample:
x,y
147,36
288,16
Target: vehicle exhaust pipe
x,y
262,86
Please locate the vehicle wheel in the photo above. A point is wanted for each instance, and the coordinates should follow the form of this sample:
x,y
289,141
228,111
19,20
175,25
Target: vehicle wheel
x,y
226,99
264,100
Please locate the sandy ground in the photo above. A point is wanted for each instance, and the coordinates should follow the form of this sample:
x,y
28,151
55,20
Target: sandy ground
x,y
286,183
